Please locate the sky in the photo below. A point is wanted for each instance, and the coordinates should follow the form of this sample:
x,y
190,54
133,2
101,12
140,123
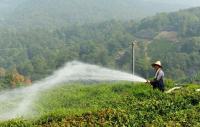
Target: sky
x,y
184,2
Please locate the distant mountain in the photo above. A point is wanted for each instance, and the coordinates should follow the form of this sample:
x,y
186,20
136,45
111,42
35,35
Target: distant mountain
x,y
8,6
173,38
62,12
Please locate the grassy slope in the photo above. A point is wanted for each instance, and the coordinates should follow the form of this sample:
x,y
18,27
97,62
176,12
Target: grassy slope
x,y
111,104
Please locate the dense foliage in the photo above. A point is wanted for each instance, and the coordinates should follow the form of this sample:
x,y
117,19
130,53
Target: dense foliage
x,y
172,38
116,104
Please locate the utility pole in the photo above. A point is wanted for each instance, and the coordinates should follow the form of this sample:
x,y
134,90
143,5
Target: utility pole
x,y
133,57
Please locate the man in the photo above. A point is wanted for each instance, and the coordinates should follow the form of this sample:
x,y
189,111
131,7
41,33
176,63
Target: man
x,y
158,82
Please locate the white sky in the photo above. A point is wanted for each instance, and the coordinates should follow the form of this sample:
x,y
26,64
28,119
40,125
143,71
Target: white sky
x,y
186,2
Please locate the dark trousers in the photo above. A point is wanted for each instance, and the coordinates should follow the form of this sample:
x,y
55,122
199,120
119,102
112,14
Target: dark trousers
x,y
158,85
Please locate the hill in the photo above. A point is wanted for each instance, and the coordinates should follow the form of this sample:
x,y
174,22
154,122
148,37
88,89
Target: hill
x,y
179,47
113,104
52,13
172,38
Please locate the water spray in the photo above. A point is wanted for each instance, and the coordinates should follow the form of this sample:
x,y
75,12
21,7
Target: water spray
x,y
19,102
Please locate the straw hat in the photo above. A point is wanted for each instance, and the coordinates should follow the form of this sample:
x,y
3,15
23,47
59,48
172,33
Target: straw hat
x,y
158,63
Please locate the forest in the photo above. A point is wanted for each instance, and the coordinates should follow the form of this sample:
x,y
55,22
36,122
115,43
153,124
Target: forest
x,y
31,54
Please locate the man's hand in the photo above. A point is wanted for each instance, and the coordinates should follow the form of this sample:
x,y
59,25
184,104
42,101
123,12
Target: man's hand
x,y
148,81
